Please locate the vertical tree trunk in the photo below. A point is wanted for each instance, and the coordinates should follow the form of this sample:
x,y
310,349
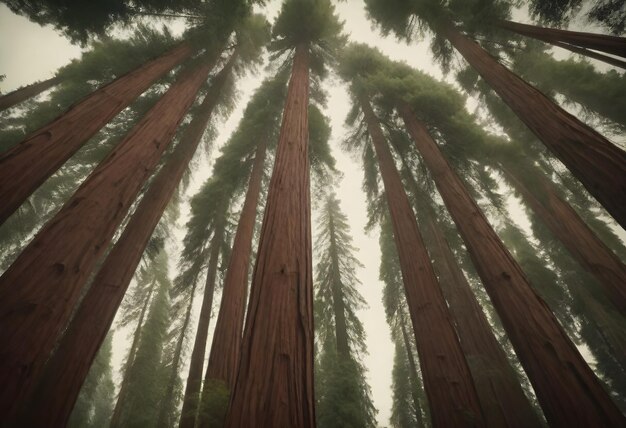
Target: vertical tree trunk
x,y
613,45
194,377
341,329
121,396
447,379
224,356
26,92
24,167
54,267
499,391
596,162
274,385
567,389
595,257
66,371
412,373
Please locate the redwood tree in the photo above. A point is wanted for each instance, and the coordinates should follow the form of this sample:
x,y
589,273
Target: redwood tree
x,y
26,92
274,386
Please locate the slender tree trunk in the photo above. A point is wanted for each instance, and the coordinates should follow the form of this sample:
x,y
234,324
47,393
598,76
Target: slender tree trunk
x,y
121,396
591,54
447,379
24,167
65,373
54,267
567,389
613,45
412,373
224,356
595,257
274,385
168,398
191,399
499,391
596,162
339,309
26,92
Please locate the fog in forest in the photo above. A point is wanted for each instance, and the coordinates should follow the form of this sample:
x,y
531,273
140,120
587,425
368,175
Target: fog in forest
x,y
358,213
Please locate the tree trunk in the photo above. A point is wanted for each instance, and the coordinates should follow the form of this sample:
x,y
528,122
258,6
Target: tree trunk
x,y
341,329
412,374
26,92
69,366
168,397
595,257
596,162
609,44
274,385
24,167
194,377
447,380
591,54
224,356
499,391
567,389
53,269
121,396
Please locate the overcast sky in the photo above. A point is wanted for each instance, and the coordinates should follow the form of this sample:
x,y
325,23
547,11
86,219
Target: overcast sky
x,y
29,53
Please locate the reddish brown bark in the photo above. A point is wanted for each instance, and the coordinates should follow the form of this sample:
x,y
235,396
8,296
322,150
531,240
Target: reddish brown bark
x,y
65,373
226,346
499,391
274,385
412,373
567,389
38,292
591,54
598,164
573,232
24,167
613,45
191,399
447,380
26,92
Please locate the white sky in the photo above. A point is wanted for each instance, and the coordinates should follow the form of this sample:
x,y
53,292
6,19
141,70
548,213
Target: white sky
x,y
29,53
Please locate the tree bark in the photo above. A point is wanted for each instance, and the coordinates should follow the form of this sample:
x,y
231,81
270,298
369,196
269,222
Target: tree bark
x,y
613,45
499,391
53,269
121,396
224,356
596,162
567,389
412,374
191,399
24,167
591,54
26,92
66,371
274,385
447,380
595,257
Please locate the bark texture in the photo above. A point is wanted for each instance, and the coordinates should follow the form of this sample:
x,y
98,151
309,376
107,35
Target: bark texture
x,y
447,380
224,356
29,91
573,232
191,399
613,45
595,161
567,389
499,391
24,167
66,371
38,292
412,374
274,385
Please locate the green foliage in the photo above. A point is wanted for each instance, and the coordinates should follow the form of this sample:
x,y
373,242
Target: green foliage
x,y
214,403
403,411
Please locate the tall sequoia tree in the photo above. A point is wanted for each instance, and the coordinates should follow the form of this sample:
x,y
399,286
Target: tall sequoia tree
x,y
53,269
274,386
543,368
26,92
596,162
343,395
451,402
